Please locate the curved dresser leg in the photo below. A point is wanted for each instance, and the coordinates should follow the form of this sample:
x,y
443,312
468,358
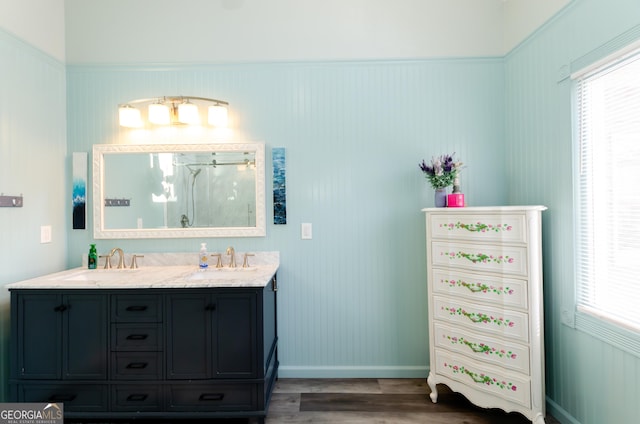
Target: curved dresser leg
x,y
539,419
434,389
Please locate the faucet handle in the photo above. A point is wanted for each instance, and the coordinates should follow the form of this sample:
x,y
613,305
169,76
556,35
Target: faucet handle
x,y
245,262
134,262
219,256
107,261
232,253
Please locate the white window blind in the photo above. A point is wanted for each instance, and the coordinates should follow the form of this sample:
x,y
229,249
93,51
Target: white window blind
x,y
608,230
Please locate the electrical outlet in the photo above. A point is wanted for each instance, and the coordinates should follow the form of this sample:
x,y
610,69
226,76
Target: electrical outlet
x,y
45,234
306,231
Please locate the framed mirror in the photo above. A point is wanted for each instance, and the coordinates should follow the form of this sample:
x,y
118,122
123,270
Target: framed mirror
x,y
178,190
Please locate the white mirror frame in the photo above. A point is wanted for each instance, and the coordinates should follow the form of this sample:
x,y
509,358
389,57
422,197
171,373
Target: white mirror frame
x,y
99,231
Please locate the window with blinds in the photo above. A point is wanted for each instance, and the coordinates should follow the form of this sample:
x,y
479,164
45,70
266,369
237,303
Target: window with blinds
x,y
608,192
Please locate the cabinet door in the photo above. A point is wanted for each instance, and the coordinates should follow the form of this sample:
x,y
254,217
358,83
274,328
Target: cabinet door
x,y
37,320
235,321
61,336
84,331
189,354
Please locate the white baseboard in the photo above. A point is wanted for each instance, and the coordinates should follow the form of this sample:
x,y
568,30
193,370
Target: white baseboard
x,y
294,371
559,413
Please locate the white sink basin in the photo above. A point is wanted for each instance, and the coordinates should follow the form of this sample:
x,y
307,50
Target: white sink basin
x,y
98,275
222,273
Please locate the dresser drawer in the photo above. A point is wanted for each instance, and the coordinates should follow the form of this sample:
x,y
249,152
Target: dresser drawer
x,y
485,319
483,288
76,397
479,257
136,308
504,384
136,337
128,397
212,397
482,347
503,228
136,366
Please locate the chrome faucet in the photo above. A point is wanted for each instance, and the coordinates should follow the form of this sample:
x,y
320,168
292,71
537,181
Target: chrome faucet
x,y
120,258
232,253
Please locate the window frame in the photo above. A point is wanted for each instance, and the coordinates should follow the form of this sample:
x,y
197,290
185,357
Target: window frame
x,y
611,331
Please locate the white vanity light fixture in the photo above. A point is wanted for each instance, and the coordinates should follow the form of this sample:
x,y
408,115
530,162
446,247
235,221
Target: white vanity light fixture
x,y
129,116
159,114
218,116
174,110
188,113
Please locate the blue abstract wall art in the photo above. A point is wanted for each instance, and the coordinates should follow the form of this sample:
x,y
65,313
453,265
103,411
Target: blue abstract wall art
x,y
79,192
279,186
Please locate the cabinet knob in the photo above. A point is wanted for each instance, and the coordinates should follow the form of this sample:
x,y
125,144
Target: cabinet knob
x,y
210,307
61,308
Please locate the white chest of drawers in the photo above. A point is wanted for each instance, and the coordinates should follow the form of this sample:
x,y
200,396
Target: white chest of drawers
x,y
486,331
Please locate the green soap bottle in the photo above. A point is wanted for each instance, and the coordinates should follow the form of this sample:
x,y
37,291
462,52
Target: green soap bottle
x,y
93,257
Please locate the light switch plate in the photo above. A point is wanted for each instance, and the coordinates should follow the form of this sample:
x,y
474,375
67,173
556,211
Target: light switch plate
x,y
306,231
45,234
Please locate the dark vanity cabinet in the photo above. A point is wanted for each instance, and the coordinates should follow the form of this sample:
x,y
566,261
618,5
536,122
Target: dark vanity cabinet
x,y
59,348
146,353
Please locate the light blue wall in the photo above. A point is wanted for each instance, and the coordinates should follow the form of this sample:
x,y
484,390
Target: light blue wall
x,y
33,163
352,299
588,381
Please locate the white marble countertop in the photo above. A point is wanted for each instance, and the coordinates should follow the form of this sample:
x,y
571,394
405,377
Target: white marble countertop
x,y
162,270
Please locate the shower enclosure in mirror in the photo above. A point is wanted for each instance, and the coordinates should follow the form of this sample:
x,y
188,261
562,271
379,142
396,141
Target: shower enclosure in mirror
x,y
194,190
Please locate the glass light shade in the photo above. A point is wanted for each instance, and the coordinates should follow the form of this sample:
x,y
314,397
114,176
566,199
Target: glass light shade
x,y
159,114
188,114
218,116
129,116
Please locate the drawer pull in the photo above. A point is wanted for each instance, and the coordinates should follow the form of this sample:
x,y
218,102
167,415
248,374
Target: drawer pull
x,y
61,398
211,396
137,337
137,365
136,397
60,308
136,308
210,307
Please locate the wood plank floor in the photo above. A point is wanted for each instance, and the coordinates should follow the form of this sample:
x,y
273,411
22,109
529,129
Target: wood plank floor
x,y
392,401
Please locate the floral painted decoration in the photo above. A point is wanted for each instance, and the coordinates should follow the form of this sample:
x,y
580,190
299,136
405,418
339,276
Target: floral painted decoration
x,y
442,172
482,378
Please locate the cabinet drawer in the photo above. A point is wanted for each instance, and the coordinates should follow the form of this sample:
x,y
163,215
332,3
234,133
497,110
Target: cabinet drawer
x,y
76,397
136,308
485,319
498,382
479,257
482,347
508,292
212,397
136,337
136,397
504,228
136,365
